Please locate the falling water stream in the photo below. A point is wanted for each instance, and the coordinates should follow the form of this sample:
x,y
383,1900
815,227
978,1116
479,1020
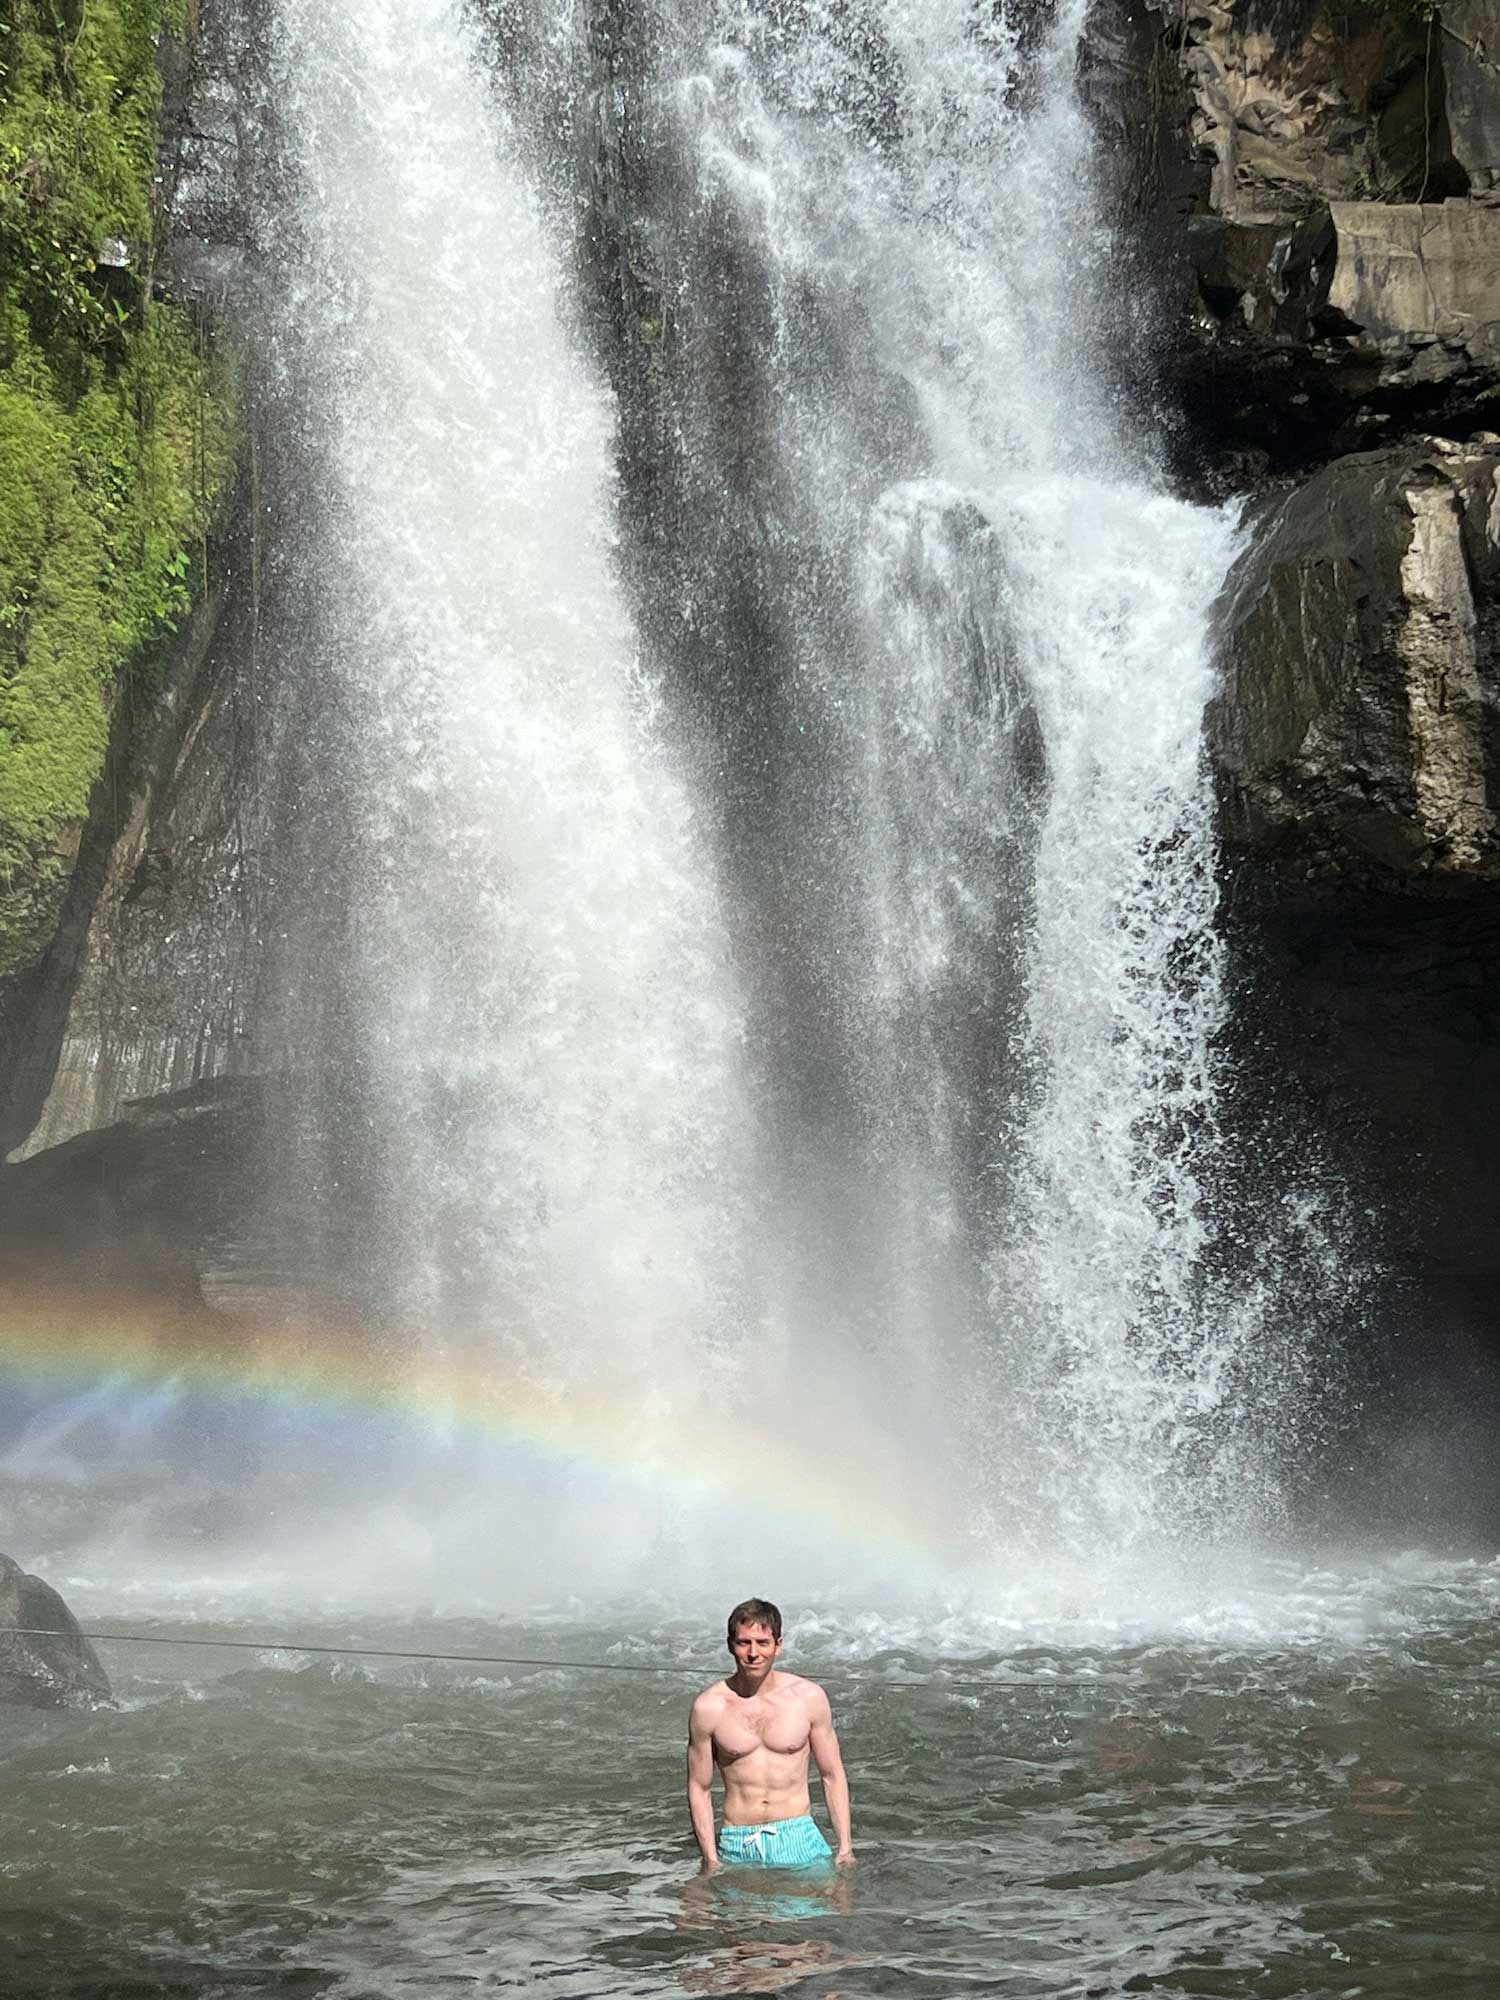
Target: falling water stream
x,y
818,1056
918,1119
996,860
547,1014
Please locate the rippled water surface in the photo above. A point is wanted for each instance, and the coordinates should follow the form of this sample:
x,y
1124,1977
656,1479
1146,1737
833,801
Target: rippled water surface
x,y
1309,1811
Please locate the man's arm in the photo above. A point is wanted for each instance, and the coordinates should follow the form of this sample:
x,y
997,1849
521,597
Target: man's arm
x,y
830,1762
700,1780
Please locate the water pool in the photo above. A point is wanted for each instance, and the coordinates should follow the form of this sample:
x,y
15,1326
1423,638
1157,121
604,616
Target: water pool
x,y
1223,1812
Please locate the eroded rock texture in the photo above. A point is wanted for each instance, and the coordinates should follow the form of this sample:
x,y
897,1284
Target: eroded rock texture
x,y
1344,253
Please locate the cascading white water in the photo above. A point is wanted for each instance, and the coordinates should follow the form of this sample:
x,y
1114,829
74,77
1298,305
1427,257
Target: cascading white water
x,y
975,1245
1023,844
1101,1275
540,997
876,1191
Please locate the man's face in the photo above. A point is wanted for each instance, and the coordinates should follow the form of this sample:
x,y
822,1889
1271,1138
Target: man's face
x,y
754,1651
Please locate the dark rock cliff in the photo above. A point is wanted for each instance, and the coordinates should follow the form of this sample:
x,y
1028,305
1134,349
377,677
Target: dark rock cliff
x,y
138,1050
1327,183
152,689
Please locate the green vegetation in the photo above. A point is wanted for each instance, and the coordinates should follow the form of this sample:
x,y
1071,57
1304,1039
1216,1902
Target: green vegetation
x,y
116,425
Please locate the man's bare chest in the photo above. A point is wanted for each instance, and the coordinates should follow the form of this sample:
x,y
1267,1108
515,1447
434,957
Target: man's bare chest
x,y
780,1727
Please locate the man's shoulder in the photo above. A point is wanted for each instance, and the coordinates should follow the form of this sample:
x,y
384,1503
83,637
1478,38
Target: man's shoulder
x,y
797,1687
711,1700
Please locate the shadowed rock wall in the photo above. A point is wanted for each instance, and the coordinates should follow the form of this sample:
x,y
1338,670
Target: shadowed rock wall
x,y
1332,351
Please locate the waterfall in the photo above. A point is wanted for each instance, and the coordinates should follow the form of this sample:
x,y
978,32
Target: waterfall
x,y
536,1019
989,855
782,987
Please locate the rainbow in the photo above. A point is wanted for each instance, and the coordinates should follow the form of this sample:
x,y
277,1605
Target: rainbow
x,y
58,1343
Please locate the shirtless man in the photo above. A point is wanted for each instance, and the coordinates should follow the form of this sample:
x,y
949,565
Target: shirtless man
x,y
758,1726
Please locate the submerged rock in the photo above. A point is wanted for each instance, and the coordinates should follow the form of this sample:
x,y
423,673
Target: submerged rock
x,y
56,1670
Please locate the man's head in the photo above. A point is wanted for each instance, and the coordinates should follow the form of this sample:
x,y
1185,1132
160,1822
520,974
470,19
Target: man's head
x,y
754,1640
755,1611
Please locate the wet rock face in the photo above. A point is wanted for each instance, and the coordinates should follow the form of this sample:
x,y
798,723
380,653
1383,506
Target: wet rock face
x,y
1349,316
44,1663
141,1208
1355,721
1263,400
1343,281
1343,307
1297,104
1328,296
1420,276
1355,740
1368,1034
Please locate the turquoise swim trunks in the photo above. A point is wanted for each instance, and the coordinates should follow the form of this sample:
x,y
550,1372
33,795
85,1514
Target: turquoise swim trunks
x,y
780,1843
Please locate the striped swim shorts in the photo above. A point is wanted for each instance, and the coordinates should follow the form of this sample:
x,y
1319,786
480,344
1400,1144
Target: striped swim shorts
x,y
779,1843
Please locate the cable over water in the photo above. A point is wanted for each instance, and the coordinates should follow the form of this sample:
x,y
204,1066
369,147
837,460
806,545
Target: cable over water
x,y
894,1684
294,1645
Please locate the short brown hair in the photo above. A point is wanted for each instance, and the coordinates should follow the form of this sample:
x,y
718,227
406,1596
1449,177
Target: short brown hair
x,y
755,1611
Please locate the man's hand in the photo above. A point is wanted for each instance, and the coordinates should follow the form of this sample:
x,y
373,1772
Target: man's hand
x,y
707,1867
844,1858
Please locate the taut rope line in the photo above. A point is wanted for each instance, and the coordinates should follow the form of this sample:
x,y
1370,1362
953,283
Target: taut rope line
x,y
529,1660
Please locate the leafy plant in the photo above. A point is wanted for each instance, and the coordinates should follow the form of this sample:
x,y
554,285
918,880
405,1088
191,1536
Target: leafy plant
x,y
116,424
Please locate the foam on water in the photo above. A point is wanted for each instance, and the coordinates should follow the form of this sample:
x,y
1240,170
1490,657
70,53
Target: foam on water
x,y
1071,1622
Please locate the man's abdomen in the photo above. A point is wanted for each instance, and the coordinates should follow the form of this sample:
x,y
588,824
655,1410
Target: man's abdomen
x,y
763,1788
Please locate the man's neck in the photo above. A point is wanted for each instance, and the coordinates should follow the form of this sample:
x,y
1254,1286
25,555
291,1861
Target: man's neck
x,y
746,1691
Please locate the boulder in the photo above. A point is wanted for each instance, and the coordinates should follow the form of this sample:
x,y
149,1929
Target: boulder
x,y
57,1670
1354,729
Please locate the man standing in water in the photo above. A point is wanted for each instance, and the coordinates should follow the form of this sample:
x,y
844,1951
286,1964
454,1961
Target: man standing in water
x,y
759,1726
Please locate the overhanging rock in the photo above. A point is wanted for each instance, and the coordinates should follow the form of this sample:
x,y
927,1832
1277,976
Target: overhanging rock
x,y
1324,332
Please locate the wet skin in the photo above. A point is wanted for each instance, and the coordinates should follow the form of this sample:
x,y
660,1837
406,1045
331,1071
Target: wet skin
x,y
759,1727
